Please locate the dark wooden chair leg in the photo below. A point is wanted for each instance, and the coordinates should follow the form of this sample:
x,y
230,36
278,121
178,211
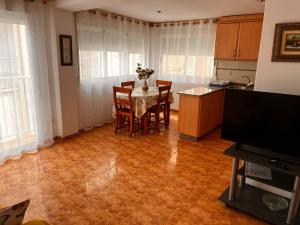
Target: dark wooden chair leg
x,y
169,114
166,117
117,123
157,120
131,126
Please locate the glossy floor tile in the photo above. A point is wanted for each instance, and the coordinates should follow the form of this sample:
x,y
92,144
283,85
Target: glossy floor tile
x,y
102,178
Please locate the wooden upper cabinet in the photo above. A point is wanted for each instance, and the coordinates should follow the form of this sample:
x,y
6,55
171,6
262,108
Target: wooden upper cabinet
x,y
226,41
238,37
249,40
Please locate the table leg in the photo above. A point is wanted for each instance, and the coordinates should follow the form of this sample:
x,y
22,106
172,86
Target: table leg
x,y
233,183
291,219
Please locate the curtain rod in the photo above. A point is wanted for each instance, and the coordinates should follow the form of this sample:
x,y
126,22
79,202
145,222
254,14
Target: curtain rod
x,y
183,22
43,1
151,24
115,16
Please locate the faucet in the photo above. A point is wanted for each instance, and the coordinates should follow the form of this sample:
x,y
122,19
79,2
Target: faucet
x,y
249,84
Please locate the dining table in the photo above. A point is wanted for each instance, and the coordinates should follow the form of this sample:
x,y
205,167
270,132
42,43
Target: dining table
x,y
142,101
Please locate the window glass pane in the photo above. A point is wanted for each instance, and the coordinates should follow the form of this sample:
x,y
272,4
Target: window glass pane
x,y
91,64
113,64
173,64
191,64
134,59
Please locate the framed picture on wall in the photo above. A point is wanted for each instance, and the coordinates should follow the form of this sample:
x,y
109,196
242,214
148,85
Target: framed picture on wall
x,y
66,54
286,46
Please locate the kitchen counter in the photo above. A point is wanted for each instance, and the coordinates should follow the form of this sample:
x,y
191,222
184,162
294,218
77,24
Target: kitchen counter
x,y
200,111
200,91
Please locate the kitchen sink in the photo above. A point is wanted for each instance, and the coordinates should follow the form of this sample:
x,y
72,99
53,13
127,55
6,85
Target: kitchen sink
x,y
242,87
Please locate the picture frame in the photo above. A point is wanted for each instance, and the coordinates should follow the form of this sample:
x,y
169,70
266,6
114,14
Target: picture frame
x,y
66,54
286,47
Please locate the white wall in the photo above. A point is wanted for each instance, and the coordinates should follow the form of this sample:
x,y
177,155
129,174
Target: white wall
x,y
280,77
65,24
63,79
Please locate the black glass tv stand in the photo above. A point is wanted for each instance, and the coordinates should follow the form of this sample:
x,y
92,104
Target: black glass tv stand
x,y
247,198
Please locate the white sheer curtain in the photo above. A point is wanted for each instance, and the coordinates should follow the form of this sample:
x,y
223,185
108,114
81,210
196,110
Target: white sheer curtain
x,y
109,49
25,110
183,52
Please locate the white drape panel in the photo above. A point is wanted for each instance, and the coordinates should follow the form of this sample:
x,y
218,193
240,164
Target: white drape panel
x,y
183,52
109,49
25,110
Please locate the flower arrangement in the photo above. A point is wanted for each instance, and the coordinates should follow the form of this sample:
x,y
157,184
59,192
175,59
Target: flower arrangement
x,y
144,74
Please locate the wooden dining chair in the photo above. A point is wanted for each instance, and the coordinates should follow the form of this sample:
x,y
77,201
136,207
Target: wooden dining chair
x,y
160,83
161,106
128,84
163,83
124,109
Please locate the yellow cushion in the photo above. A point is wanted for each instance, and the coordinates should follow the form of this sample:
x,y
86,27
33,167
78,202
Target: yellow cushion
x,y
36,222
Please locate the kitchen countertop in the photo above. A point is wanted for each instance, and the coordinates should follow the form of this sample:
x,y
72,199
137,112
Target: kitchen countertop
x,y
200,91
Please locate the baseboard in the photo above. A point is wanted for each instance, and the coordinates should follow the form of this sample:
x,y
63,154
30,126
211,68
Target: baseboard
x,y
188,137
60,138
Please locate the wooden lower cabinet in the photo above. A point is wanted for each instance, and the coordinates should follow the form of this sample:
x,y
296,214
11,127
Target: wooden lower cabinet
x,y
198,115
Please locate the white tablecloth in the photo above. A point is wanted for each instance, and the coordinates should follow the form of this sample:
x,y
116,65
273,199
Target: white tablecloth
x,y
141,101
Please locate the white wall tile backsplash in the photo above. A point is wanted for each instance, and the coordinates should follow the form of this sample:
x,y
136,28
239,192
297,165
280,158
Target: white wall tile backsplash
x,y
234,70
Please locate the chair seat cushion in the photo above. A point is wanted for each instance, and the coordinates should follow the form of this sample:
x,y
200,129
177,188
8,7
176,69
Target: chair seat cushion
x,y
124,110
154,108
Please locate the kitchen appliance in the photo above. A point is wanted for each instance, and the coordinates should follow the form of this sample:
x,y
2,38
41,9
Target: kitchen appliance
x,y
219,83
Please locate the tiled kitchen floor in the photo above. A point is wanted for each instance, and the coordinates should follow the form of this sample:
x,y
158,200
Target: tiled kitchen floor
x,y
102,178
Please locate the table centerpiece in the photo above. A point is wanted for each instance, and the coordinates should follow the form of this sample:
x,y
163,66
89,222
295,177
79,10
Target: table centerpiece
x,y
144,74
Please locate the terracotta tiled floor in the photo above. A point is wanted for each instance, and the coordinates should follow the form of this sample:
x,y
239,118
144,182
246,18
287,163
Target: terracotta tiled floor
x,y
102,178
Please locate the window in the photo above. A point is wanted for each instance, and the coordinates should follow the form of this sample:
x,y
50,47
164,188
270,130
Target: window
x,y
184,52
17,118
110,47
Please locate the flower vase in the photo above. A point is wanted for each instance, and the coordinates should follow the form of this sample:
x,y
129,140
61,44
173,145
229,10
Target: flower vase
x,y
145,87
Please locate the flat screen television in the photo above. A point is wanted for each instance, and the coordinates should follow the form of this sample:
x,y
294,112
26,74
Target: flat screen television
x,y
269,122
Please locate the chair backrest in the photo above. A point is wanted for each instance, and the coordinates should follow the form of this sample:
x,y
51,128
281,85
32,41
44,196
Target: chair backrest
x,y
128,84
124,100
163,83
164,93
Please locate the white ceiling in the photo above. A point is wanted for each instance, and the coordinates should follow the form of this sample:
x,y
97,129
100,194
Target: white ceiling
x,y
172,10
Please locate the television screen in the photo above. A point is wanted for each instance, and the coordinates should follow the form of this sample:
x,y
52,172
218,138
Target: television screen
x,y
268,121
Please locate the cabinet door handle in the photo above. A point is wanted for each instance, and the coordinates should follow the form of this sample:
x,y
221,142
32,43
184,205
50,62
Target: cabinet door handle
x,y
234,52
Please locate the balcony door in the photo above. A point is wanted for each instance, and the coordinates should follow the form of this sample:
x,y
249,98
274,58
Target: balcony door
x,y
17,112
